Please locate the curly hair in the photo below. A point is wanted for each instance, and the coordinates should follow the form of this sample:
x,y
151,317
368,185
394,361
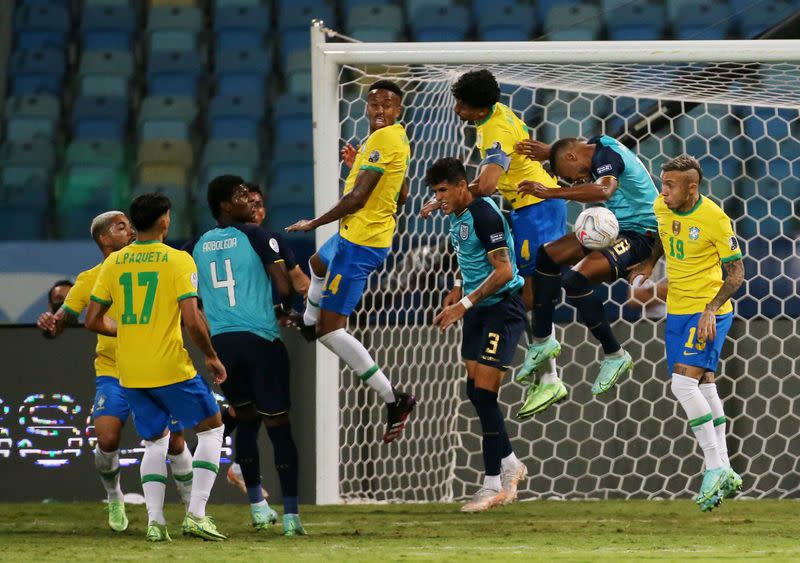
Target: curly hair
x,y
478,88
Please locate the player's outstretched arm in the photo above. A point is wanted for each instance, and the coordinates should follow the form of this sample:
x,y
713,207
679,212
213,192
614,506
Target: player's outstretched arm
x,y
707,325
348,155
455,294
486,182
53,324
96,321
350,202
644,269
596,192
197,328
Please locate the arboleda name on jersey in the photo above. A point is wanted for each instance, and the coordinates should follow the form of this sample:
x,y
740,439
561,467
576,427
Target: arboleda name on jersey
x,y
213,245
141,257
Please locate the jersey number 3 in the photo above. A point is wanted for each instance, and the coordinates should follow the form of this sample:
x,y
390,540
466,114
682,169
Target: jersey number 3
x,y
228,283
149,279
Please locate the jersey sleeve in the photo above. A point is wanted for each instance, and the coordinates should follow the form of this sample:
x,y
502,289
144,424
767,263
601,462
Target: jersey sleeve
x,y
101,291
185,276
489,227
607,162
78,297
277,243
260,240
381,149
725,240
497,143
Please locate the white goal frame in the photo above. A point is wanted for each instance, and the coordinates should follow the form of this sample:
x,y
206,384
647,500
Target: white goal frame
x,y
326,60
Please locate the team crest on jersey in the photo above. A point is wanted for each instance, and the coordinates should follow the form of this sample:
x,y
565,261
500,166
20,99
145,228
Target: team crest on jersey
x,y
464,232
374,156
694,233
676,228
734,243
193,279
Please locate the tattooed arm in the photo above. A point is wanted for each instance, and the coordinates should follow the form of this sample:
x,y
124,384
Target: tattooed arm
x,y
707,325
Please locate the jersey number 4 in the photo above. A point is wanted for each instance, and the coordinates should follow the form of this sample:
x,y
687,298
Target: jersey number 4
x,y
149,279
228,283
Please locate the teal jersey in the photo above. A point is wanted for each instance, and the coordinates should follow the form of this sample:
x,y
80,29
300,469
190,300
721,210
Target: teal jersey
x,y
233,282
632,202
478,231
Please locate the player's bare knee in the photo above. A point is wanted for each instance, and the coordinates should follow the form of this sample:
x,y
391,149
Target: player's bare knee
x,y
273,421
108,442
177,443
318,267
707,377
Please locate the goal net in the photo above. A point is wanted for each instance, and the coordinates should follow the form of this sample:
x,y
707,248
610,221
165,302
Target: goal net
x,y
740,119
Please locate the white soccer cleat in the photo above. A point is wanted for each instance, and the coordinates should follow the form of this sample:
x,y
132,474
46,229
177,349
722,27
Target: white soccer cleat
x,y
484,499
510,480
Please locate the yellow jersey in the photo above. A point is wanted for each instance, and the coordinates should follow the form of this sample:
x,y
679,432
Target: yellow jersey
x,y
146,280
105,362
387,151
695,244
497,134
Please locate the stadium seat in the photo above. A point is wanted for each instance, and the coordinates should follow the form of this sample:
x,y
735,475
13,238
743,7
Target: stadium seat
x,y
37,71
767,14
180,219
298,72
231,152
241,27
242,72
294,21
176,73
21,162
225,3
291,185
709,19
544,7
173,28
439,23
573,22
640,21
28,117
291,129
506,22
375,22
105,73
236,117
42,26
24,211
167,117
99,117
347,5
294,152
95,152
166,162
292,105
108,27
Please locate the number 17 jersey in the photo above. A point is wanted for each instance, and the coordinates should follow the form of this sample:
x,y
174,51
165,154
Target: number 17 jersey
x,y
234,284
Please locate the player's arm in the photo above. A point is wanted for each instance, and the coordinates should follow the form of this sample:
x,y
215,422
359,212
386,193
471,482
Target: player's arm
x,y
197,328
96,321
594,192
533,149
53,324
403,195
646,266
707,325
456,293
486,182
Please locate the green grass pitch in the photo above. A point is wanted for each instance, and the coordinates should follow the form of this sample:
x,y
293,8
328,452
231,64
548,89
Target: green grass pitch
x,y
526,531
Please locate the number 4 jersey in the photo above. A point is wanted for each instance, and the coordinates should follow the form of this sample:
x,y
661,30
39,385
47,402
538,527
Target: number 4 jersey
x,y
146,282
234,284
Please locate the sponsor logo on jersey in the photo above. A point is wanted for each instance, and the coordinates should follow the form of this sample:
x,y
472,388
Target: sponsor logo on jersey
x,y
464,231
496,237
734,243
273,244
676,228
694,233
603,169
374,156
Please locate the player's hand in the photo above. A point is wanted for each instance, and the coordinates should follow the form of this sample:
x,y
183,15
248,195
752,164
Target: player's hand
x,y
429,208
639,273
707,326
530,187
216,370
452,298
348,155
533,149
449,316
47,322
303,225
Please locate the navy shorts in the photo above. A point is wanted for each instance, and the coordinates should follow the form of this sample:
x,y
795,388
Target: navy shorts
x,y
491,333
534,225
629,249
258,371
110,400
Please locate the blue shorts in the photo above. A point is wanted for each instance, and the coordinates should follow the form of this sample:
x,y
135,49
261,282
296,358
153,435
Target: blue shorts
x,y
682,345
187,402
491,333
349,266
534,225
110,400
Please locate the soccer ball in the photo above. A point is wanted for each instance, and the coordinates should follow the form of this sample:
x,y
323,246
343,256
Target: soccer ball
x,y
596,228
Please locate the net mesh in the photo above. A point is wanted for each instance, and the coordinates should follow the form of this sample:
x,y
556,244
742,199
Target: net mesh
x,y
741,122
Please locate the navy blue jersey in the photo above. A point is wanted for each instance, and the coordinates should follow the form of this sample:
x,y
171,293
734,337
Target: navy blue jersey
x,y
478,231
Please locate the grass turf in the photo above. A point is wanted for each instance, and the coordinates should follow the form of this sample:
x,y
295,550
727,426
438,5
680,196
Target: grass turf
x,y
542,530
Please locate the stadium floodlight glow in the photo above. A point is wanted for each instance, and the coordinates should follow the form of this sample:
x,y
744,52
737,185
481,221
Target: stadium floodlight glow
x,y
733,104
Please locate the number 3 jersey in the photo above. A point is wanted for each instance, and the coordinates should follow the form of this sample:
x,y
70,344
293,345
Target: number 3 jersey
x,y
234,284
695,243
145,281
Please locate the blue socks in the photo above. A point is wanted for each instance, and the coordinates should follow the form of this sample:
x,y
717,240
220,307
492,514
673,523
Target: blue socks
x,y
247,457
582,296
493,427
505,442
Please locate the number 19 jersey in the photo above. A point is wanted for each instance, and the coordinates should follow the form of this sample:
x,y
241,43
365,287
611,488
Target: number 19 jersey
x,y
146,282
234,284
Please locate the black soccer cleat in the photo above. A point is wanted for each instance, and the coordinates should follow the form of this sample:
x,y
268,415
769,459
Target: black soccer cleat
x,y
309,332
396,415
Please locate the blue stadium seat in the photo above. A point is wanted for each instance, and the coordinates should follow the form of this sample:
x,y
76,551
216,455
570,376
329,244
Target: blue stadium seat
x,y
22,162
99,117
291,185
28,117
294,21
173,28
291,129
241,27
298,72
278,218
24,211
37,71
640,21
231,152
347,5
243,72
42,26
292,105
175,73
573,22
709,19
108,27
236,117
105,73
439,23
754,20
505,22
167,117
375,22
295,152
180,220
543,7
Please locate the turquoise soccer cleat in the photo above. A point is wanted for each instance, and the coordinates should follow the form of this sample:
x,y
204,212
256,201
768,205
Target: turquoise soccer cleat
x,y
610,370
263,516
733,484
292,526
712,489
536,355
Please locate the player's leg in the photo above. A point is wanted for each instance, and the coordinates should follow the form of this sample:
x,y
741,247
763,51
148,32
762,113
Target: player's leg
x,y
180,461
151,422
318,267
109,413
682,352
347,276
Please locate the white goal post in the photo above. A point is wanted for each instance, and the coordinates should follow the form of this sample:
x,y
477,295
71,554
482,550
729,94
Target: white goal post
x,y
568,76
